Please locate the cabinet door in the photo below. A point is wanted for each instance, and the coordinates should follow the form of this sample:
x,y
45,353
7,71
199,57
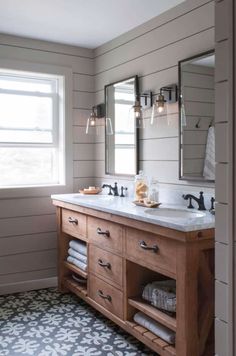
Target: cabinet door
x,y
74,223
106,264
149,249
105,234
106,295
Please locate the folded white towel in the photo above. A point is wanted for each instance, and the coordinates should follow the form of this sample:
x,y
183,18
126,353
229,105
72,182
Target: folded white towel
x,y
78,246
155,327
78,255
77,263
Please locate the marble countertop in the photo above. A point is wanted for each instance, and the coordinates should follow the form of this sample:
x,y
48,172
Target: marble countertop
x,y
125,207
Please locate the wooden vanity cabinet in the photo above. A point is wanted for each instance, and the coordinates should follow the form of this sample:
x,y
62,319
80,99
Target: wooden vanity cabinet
x,y
124,255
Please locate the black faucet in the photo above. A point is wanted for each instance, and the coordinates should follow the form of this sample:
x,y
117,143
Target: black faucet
x,y
122,191
200,201
112,189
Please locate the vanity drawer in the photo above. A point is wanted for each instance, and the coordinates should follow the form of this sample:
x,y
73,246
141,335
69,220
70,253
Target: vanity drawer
x,y
73,223
106,295
151,249
106,264
105,234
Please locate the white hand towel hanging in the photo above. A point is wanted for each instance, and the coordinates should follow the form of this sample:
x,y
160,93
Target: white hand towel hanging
x,y
209,164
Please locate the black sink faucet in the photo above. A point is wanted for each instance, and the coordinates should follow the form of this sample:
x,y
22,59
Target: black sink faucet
x,y
200,201
112,189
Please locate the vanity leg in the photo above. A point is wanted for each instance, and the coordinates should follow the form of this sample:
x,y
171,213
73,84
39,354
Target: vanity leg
x,y
61,251
187,339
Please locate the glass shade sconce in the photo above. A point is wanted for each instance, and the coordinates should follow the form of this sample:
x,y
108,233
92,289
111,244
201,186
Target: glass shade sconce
x,y
143,101
97,113
167,94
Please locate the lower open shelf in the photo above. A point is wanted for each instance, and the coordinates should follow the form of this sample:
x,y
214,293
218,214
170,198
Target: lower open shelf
x,y
146,335
154,313
75,269
75,287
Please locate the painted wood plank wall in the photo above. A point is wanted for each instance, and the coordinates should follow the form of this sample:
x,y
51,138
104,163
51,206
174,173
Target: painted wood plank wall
x,y
28,244
152,51
225,180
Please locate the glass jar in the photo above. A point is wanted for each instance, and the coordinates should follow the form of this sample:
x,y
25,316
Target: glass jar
x,y
141,186
154,190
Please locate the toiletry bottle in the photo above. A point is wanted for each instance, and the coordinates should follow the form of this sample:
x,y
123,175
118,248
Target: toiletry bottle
x,y
141,186
154,190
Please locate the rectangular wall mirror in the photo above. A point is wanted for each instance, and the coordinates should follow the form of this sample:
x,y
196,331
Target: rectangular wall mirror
x,y
121,148
196,118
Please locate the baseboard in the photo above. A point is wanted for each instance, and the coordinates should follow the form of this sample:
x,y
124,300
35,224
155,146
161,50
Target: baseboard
x,y
28,285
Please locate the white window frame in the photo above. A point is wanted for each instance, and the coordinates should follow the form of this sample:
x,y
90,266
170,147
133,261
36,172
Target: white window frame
x,y
64,127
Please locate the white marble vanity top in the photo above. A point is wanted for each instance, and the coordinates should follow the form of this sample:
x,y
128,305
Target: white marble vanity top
x,y
125,207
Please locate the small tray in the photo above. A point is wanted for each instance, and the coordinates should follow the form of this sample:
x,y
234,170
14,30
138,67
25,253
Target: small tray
x,y
152,205
90,191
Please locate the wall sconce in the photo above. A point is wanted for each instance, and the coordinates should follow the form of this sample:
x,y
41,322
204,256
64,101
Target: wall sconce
x,y
160,107
143,101
167,94
97,113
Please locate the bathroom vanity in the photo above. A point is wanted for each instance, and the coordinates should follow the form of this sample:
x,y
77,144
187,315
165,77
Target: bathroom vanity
x,y
130,246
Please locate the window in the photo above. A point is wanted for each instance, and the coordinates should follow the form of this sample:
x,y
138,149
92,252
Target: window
x,y
31,122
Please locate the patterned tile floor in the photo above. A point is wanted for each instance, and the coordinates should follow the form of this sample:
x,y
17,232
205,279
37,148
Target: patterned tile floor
x,y
47,323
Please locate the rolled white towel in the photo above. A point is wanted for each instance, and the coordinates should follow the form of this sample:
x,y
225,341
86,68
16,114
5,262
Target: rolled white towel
x,y
78,255
80,247
155,327
77,263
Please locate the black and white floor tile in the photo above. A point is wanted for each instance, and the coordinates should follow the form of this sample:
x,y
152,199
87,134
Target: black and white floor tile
x,y
47,323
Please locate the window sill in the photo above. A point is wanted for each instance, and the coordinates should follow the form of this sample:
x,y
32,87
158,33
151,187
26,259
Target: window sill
x,y
34,191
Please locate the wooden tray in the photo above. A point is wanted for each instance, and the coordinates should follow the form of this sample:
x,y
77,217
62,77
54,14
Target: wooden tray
x,y
153,205
90,191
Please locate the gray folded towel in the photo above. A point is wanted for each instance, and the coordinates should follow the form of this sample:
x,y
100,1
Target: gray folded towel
x,y
155,327
79,246
78,255
161,294
77,263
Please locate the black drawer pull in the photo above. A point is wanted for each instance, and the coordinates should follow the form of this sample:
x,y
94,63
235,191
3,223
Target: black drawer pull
x,y
100,294
154,248
73,220
105,233
104,264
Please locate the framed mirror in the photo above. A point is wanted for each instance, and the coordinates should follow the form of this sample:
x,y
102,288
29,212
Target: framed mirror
x,y
121,147
196,118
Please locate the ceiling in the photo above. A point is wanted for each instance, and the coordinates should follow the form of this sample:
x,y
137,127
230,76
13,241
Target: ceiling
x,y
86,23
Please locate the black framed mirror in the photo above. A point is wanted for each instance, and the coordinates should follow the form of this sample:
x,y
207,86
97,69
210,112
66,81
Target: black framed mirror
x,y
121,147
196,118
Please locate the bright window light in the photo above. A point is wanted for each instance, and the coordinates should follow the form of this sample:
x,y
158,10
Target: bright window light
x,y
31,122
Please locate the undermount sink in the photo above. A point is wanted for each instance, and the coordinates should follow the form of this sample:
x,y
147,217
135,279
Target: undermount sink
x,y
174,213
95,198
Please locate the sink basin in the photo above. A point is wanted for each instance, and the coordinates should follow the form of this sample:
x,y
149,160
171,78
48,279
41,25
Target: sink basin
x,y
174,213
95,198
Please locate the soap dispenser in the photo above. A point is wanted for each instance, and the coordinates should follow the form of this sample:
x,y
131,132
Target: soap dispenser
x,y
154,190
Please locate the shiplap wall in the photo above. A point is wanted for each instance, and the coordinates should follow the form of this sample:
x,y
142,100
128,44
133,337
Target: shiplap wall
x,y
152,51
28,224
225,179
198,87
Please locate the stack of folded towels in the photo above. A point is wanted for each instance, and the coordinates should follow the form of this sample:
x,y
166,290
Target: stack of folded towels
x,y
162,295
77,254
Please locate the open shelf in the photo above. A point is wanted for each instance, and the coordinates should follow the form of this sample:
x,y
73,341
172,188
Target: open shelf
x,y
76,269
153,312
75,287
148,335
79,237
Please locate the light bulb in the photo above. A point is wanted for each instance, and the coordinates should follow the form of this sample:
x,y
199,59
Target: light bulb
x,y
160,109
